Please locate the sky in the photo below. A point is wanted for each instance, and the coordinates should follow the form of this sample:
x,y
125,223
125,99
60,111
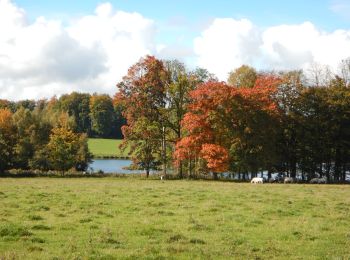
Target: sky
x,y
54,47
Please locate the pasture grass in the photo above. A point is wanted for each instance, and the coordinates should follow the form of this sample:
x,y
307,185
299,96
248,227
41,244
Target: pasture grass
x,y
106,147
115,218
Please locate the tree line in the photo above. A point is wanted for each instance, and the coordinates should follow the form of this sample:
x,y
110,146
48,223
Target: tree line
x,y
279,122
52,134
96,115
189,123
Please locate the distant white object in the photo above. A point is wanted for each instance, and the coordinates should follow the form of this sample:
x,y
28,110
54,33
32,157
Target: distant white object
x,y
288,180
162,177
257,180
319,180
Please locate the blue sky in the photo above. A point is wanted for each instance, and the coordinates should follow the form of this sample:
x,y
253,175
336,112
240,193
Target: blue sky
x,y
263,13
55,47
181,20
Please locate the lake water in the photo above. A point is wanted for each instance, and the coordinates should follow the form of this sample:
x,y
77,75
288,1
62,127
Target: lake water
x,y
117,165
111,166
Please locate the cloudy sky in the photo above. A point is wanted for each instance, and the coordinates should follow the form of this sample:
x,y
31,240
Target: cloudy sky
x,y
52,47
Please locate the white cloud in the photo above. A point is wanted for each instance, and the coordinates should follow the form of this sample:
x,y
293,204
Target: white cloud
x,y
46,58
229,43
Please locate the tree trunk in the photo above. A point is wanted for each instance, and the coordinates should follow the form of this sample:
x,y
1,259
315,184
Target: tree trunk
x,y
302,175
344,174
215,175
164,159
189,168
179,171
337,169
293,172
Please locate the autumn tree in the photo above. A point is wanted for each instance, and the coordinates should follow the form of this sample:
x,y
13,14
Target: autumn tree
x,y
202,123
7,139
143,98
67,150
223,126
179,83
243,76
255,132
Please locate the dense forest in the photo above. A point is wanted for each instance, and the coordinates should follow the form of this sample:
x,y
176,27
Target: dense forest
x,y
52,134
187,122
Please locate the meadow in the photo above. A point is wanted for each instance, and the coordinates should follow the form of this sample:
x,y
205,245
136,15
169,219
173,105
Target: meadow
x,y
100,148
133,218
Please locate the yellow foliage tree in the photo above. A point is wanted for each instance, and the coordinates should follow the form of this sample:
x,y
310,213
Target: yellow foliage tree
x,y
7,138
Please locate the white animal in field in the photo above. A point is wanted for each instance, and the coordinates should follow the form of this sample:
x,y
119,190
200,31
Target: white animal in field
x,y
257,180
319,180
288,180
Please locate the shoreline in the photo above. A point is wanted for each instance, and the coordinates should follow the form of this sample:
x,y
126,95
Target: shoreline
x,y
111,157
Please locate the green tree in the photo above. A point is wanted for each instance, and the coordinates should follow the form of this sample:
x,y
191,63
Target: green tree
x,y
119,120
7,104
146,143
26,129
67,150
287,95
243,76
26,104
102,115
201,75
40,159
180,83
78,106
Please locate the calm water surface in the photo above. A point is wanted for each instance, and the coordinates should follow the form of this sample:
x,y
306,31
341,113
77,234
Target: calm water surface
x,y
111,166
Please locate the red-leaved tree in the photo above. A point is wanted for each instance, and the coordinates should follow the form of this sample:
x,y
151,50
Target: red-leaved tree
x,y
227,127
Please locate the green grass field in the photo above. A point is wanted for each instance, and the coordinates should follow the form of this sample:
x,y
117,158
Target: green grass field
x,y
116,218
106,148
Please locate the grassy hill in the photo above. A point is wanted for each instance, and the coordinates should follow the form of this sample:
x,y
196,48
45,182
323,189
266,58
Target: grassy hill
x,y
106,148
128,218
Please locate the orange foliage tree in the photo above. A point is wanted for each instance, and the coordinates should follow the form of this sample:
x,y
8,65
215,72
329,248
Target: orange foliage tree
x,y
7,138
227,126
142,96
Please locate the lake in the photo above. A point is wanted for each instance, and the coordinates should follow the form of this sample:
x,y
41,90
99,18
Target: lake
x,y
111,166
